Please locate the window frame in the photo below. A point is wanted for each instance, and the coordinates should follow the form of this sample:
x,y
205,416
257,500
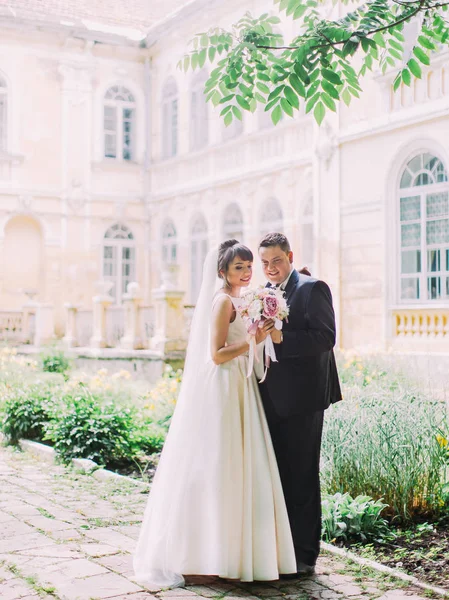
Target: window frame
x,y
422,275
120,238
169,243
120,106
170,119
199,114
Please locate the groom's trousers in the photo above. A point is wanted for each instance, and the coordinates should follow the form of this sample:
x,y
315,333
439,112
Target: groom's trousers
x,y
297,444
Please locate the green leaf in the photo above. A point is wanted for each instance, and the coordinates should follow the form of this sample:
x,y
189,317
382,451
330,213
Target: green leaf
x,y
319,113
186,62
212,53
406,77
204,41
194,60
243,103
379,39
262,87
414,68
299,12
228,119
237,113
297,85
226,110
275,93
331,76
330,89
202,58
421,55
424,41
397,82
329,102
276,115
291,97
270,105
227,98
263,76
287,107
346,97
216,98
311,103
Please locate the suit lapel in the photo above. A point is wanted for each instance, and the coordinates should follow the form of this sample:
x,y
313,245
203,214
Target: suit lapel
x,y
291,285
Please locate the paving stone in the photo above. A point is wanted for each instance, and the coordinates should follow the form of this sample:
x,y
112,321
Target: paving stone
x,y
75,569
120,563
97,550
98,586
349,589
112,538
22,542
14,589
399,595
176,592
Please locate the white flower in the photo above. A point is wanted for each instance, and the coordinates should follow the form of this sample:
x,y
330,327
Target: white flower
x,y
255,309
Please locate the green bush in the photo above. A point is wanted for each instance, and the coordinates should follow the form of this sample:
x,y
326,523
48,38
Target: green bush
x,y
55,362
27,412
91,428
353,519
385,441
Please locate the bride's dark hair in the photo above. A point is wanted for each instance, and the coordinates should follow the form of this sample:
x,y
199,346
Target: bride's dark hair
x,y
227,251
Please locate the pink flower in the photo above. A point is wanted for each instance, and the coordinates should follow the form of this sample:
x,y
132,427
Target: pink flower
x,y
270,306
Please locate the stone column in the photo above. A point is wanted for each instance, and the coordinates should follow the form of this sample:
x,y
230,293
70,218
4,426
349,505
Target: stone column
x,y
132,339
170,334
45,326
29,309
101,303
70,338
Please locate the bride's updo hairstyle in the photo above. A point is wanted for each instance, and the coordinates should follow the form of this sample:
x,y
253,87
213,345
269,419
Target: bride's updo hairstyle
x,y
227,251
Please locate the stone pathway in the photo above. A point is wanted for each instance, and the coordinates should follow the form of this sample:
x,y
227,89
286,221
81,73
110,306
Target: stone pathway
x,y
68,536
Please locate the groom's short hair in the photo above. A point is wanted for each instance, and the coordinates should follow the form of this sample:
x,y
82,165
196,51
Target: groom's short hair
x,y
275,239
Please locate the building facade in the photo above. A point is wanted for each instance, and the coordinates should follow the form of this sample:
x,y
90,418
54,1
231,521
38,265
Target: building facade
x,y
113,168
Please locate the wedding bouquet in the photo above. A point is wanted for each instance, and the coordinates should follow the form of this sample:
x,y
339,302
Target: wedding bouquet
x,y
256,307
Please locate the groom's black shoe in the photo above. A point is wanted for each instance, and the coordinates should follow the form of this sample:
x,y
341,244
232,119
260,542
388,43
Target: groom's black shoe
x,y
303,570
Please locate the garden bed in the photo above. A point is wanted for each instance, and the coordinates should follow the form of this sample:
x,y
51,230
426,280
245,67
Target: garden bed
x,y
421,551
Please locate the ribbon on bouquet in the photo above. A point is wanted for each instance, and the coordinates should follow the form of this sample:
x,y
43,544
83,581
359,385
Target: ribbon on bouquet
x,y
270,353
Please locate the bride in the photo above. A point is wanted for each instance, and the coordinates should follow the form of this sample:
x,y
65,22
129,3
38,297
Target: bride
x,y
216,505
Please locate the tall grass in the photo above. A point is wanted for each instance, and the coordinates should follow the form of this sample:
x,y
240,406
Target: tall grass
x,y
387,440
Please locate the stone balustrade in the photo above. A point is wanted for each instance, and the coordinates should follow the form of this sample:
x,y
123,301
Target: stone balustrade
x,y
244,153
418,327
11,325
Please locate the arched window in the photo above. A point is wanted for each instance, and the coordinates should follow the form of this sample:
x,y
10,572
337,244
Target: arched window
x,y
170,119
233,223
234,130
3,115
119,259
198,251
271,219
424,230
169,247
307,241
119,123
199,125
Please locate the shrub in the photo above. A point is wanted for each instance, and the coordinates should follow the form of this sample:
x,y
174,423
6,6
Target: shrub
x,y
55,362
384,440
353,519
91,428
27,412
161,400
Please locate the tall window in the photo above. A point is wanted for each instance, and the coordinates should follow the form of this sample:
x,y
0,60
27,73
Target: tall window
x,y
198,251
119,123
424,230
170,119
233,223
119,259
3,115
169,247
307,241
271,219
199,125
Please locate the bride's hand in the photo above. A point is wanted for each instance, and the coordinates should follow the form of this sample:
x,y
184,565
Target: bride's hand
x,y
264,331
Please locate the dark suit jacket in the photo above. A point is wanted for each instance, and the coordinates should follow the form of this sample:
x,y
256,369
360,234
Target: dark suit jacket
x,y
305,378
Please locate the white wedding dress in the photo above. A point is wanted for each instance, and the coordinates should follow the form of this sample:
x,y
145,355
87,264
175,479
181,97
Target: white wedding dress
x,y
216,506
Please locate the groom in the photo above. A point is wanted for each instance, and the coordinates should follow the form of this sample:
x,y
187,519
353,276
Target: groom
x,y
297,390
